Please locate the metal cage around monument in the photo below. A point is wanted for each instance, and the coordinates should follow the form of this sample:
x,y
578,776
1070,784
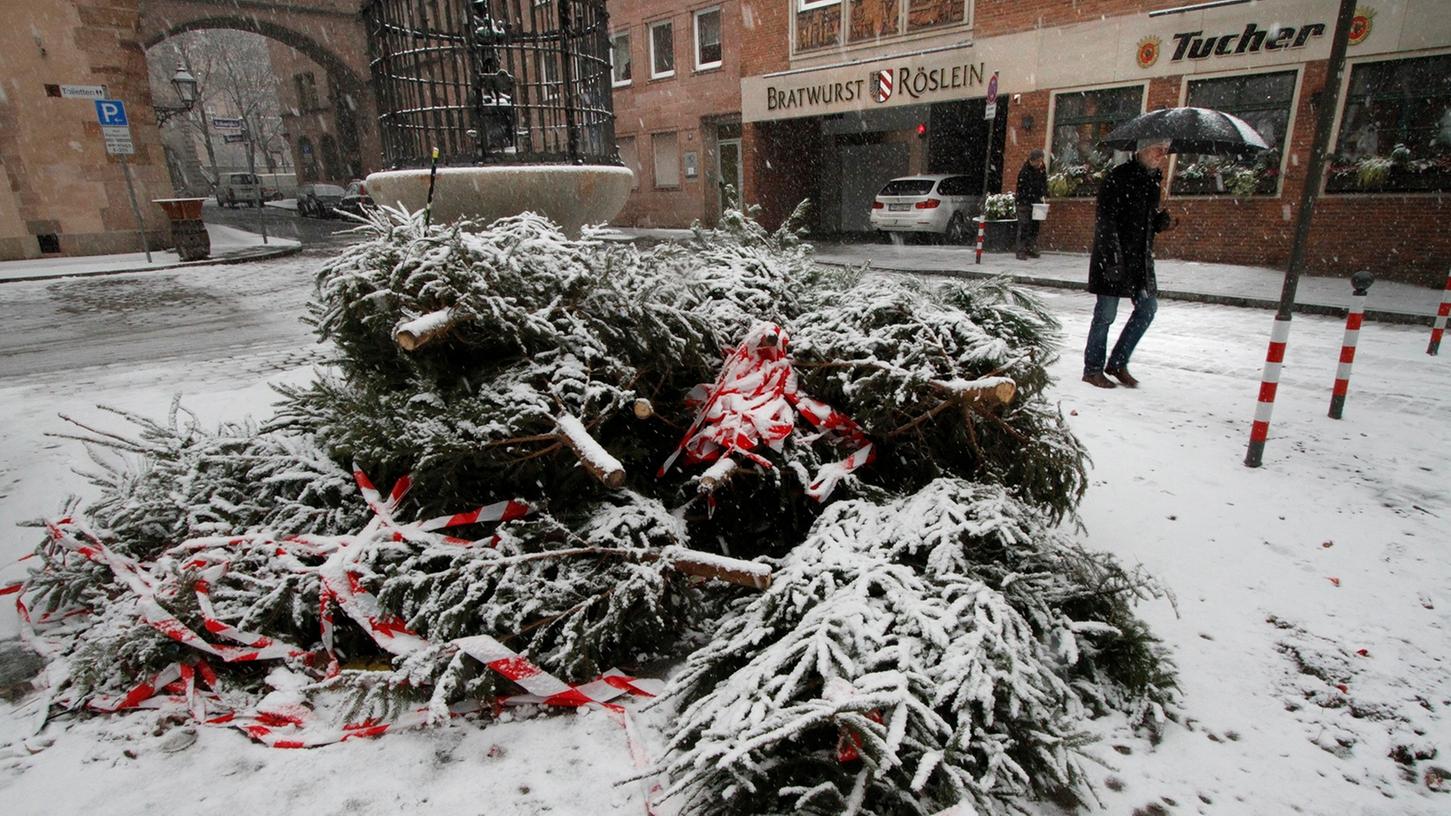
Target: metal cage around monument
x,y
493,81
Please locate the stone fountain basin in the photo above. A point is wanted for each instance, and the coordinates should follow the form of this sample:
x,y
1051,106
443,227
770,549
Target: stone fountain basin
x,y
569,195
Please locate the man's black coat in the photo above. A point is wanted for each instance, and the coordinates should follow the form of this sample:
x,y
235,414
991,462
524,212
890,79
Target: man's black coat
x,y
1125,223
1032,185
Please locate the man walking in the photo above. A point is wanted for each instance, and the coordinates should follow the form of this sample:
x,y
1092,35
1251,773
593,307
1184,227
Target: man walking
x,y
1122,263
1032,189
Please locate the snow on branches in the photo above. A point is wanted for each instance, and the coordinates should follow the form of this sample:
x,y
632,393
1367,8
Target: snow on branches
x,y
909,655
919,636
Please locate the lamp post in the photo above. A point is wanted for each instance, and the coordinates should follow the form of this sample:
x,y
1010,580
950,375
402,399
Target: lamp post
x,y
185,85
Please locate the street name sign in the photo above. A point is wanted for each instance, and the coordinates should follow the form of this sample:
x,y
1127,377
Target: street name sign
x,y
227,124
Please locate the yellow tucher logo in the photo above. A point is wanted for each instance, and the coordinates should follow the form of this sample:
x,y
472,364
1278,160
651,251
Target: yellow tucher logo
x,y
1148,51
1361,24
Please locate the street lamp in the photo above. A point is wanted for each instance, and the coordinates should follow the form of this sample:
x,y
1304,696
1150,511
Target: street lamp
x,y
185,85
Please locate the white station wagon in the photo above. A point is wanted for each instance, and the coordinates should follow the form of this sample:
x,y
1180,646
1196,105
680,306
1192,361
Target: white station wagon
x,y
943,204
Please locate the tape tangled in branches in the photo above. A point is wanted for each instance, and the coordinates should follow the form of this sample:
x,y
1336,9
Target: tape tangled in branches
x,y
755,402
281,720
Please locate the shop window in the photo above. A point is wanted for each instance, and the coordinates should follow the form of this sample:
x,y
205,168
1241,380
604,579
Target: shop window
x,y
667,159
707,39
620,59
1395,128
1262,100
871,19
1080,121
662,50
630,155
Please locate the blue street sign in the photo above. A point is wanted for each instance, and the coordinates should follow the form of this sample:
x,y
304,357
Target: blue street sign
x,y
111,112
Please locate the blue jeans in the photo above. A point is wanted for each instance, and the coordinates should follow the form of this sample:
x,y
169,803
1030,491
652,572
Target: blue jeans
x,y
1104,311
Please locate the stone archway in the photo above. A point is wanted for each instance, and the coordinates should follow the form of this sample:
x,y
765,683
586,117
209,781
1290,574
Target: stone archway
x,y
331,33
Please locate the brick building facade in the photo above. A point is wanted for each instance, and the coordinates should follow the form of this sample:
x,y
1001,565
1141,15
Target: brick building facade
x,y
60,193
833,93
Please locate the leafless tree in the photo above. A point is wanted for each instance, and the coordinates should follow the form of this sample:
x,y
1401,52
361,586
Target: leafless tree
x,y
234,79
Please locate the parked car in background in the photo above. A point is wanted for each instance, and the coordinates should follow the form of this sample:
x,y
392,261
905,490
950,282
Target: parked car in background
x,y
942,204
319,200
355,198
234,189
276,186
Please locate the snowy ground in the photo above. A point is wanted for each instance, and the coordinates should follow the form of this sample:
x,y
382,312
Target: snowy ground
x,y
1282,576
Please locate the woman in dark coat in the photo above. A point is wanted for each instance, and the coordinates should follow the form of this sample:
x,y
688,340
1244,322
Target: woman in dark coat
x,y
1122,263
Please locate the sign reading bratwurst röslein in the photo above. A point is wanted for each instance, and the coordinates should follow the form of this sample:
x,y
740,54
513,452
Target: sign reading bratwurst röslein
x,y
914,83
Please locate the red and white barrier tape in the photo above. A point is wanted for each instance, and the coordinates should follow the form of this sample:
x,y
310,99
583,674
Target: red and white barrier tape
x,y
754,403
281,720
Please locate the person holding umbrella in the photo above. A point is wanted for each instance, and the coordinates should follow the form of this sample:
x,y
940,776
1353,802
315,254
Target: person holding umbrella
x,y
1122,262
1127,218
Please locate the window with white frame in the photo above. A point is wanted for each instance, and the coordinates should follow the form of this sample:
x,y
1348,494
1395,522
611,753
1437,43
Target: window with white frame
x,y
1262,100
630,155
667,159
707,38
620,58
1080,121
662,50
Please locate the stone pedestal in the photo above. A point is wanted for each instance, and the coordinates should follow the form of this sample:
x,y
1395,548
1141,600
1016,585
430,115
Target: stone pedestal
x,y
569,195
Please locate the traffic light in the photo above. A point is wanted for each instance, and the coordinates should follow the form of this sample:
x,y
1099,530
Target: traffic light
x,y
921,130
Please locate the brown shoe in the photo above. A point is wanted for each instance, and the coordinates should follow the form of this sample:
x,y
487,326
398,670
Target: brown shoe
x,y
1099,380
1123,376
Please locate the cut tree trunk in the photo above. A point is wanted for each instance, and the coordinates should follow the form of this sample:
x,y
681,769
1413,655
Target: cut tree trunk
x,y
420,331
598,461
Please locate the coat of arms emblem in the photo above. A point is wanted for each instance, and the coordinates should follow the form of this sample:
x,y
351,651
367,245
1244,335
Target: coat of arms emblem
x,y
882,84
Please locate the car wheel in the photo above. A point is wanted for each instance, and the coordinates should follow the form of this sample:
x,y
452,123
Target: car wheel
x,y
957,230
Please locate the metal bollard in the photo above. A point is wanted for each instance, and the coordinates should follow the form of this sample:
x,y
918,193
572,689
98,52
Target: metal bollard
x,y
1439,327
981,233
1259,432
1361,282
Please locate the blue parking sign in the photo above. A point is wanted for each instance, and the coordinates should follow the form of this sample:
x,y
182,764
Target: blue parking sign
x,y
111,112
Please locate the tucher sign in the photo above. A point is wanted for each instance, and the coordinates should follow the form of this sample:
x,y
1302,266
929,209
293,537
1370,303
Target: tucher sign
x,y
1196,45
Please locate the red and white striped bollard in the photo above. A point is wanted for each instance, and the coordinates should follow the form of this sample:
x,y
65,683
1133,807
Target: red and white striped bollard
x,y
1361,281
1438,328
981,232
1269,383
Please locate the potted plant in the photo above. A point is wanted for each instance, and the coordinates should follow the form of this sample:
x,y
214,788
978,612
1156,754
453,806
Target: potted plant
x,y
1000,211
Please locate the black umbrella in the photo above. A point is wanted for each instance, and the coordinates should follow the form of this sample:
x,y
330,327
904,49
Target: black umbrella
x,y
1190,130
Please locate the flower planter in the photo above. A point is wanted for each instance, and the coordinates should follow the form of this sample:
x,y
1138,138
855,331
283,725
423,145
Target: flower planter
x,y
188,233
181,209
1001,235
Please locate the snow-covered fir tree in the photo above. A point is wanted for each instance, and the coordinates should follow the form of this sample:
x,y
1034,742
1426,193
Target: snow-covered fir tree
x,y
930,634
